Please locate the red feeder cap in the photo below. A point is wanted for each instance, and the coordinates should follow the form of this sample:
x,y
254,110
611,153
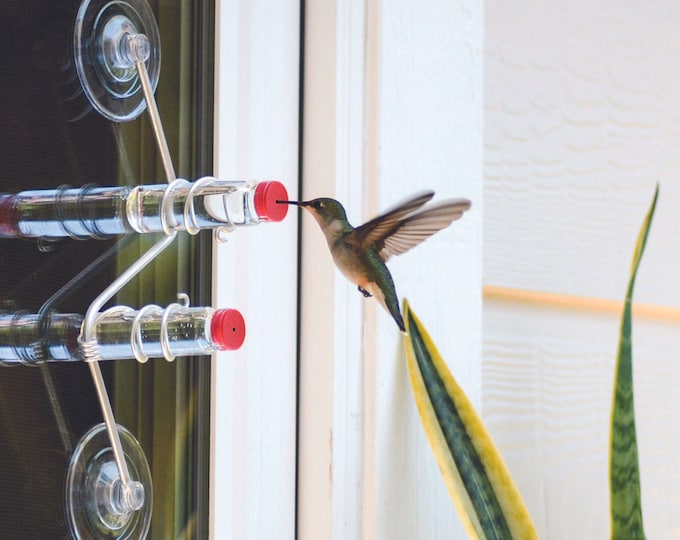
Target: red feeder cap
x,y
8,218
228,329
266,195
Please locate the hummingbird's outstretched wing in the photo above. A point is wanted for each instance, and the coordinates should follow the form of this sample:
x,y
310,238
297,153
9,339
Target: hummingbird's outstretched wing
x,y
376,229
413,229
399,230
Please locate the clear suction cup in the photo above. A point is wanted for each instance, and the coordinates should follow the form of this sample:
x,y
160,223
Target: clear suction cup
x,y
98,504
110,37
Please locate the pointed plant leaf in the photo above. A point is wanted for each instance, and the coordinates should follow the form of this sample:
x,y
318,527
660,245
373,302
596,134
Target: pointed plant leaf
x,y
624,473
475,474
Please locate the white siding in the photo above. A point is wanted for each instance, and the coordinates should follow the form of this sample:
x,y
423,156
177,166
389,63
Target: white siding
x,y
582,118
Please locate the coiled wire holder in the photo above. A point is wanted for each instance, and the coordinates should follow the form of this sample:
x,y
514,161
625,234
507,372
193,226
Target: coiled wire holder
x,y
132,493
128,495
136,338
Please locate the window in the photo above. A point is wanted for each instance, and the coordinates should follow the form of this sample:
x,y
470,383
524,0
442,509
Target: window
x,y
51,137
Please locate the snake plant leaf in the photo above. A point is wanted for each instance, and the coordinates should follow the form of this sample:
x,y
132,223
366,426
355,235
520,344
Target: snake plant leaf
x,y
483,492
624,473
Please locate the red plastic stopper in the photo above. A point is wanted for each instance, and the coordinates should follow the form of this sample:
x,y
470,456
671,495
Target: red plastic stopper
x,y
266,195
228,329
8,218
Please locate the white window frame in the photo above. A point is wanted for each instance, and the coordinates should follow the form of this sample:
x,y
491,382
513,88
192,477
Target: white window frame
x,y
254,389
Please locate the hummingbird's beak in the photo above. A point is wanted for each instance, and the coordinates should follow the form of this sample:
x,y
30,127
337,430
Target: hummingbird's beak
x,y
296,203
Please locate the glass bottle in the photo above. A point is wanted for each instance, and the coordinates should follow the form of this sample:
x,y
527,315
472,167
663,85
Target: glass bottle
x,y
100,212
122,332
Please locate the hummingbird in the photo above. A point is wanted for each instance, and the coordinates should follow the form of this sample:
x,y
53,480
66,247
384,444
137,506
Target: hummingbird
x,y
360,253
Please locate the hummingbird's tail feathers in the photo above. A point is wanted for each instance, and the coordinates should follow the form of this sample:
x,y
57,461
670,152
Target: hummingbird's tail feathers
x,y
400,322
393,309
413,229
386,296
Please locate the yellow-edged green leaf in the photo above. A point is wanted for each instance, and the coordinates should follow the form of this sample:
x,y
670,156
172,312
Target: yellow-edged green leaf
x,y
475,474
624,473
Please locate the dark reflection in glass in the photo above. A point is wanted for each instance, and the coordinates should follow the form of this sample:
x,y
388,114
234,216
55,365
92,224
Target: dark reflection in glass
x,y
40,147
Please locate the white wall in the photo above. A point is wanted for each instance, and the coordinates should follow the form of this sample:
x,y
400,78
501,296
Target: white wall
x,y
393,105
582,117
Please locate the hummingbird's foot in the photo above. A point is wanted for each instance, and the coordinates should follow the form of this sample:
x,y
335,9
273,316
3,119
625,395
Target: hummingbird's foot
x,y
364,292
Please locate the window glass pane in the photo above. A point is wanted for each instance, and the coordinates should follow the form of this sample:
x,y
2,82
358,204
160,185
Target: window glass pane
x,y
51,137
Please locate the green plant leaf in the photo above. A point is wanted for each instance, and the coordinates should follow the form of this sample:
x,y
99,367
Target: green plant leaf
x,y
475,474
624,473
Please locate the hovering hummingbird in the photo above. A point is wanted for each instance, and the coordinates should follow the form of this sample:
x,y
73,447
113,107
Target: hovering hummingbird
x,y
360,253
